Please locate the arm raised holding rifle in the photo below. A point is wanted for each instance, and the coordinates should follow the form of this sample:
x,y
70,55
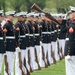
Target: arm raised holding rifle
x,y
48,15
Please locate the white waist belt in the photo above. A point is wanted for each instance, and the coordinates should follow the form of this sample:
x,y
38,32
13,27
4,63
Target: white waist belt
x,y
67,38
49,32
55,30
44,32
52,31
27,34
1,38
36,34
22,36
10,37
58,29
30,34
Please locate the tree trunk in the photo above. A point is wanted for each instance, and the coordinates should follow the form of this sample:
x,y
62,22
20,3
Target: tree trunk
x,y
17,9
28,9
61,10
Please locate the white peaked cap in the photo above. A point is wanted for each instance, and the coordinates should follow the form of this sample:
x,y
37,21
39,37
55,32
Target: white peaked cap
x,y
42,14
72,8
30,14
37,14
18,14
10,13
21,14
1,11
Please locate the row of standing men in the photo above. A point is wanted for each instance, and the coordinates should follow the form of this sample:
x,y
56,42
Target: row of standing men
x,y
35,40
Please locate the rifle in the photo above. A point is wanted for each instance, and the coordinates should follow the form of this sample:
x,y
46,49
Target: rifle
x,y
59,50
52,54
28,73
6,64
44,58
29,61
19,55
5,57
47,59
39,68
20,61
48,15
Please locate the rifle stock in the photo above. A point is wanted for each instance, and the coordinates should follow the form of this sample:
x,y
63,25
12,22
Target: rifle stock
x,y
19,54
36,7
29,61
47,59
52,54
48,15
28,73
59,50
6,64
44,57
20,61
36,58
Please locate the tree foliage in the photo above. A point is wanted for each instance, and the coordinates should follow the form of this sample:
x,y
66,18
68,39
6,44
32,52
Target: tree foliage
x,y
60,5
2,5
19,5
29,3
25,5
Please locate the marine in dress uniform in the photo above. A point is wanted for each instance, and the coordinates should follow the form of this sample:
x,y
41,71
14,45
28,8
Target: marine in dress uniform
x,y
2,45
44,39
70,43
61,38
49,58
27,54
26,58
33,63
54,41
37,38
21,43
10,42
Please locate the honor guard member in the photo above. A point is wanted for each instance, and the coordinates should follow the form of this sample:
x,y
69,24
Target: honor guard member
x,y
2,45
37,38
58,34
70,45
44,39
49,58
33,62
54,41
61,39
21,43
41,61
27,54
10,43
26,64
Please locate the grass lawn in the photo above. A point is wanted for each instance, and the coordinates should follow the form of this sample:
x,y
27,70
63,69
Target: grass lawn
x,y
55,69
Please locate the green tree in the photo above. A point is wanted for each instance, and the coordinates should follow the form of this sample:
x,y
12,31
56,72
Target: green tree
x,y
29,3
19,5
3,5
62,6
15,4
